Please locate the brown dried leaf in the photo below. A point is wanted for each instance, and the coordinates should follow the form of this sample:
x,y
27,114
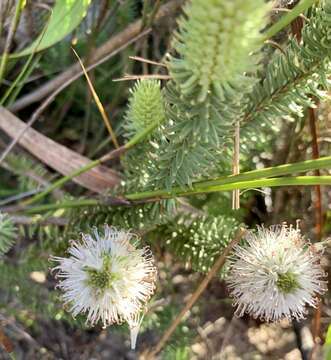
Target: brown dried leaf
x,y
58,157
5,342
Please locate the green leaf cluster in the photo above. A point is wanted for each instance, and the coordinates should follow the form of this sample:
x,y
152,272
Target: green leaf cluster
x,y
214,43
295,79
209,78
7,234
198,241
146,106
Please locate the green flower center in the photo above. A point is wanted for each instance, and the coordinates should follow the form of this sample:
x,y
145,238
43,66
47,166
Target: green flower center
x,y
101,279
287,282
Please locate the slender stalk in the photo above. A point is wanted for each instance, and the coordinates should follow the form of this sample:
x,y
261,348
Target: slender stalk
x,y
195,296
280,170
141,135
195,190
154,11
146,5
285,20
236,166
4,59
163,194
33,220
286,169
25,72
57,184
316,324
63,205
98,103
17,86
112,155
21,76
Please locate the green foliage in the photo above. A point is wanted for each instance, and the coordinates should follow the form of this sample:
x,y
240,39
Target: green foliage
x,y
159,321
31,176
328,336
175,352
294,79
65,17
41,231
29,173
198,241
7,234
216,82
214,42
19,293
195,143
146,106
199,135
128,11
144,216
137,163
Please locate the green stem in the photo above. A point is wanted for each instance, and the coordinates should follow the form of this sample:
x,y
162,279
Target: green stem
x,y
4,59
8,192
195,190
286,169
63,205
113,154
57,184
141,135
163,194
20,79
272,182
25,72
285,20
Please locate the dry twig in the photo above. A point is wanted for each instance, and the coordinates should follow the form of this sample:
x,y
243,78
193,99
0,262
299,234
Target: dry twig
x,y
36,115
112,44
99,103
57,156
139,77
195,296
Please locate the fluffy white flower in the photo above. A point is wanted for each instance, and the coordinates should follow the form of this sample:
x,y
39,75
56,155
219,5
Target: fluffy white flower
x,y
275,274
108,278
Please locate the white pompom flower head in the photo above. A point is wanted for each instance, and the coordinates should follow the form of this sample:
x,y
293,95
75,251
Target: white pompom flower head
x,y
275,274
108,278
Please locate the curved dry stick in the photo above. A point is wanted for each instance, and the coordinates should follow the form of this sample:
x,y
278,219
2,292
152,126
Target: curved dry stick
x,y
57,156
195,296
52,97
115,42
